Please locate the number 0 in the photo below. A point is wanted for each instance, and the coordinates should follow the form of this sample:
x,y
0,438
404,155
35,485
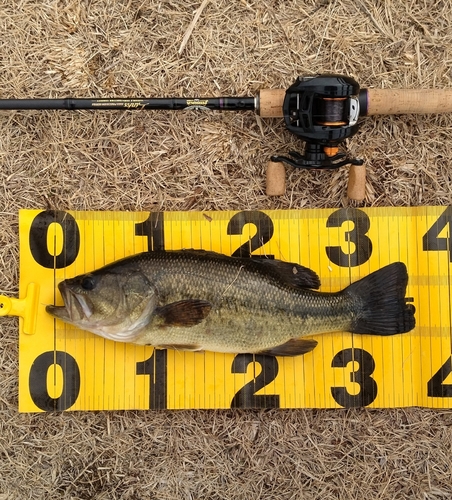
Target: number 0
x,y
38,381
38,239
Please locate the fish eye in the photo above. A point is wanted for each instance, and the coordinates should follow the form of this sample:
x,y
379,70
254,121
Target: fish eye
x,y
88,283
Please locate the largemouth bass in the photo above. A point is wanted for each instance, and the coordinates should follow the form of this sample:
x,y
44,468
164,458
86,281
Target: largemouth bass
x,y
198,300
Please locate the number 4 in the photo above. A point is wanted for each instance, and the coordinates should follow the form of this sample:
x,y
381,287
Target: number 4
x,y
436,387
431,239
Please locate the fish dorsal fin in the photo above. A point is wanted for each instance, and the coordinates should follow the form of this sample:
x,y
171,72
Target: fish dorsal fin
x,y
188,312
294,347
290,273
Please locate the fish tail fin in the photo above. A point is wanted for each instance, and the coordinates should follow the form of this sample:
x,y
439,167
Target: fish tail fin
x,y
384,309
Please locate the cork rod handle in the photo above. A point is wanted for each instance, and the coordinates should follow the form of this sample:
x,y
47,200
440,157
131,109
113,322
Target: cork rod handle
x,y
404,101
271,103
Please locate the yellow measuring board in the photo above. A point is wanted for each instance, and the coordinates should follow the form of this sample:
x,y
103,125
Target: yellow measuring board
x,y
64,368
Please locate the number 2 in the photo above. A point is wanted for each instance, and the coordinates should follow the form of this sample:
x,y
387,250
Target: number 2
x,y
264,226
246,397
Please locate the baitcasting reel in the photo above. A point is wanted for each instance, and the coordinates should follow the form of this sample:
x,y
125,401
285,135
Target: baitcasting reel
x,y
323,111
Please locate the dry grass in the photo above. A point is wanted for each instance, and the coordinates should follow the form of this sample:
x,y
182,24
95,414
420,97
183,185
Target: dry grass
x,y
197,161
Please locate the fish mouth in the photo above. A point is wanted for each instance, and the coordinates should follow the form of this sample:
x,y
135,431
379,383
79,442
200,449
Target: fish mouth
x,y
76,307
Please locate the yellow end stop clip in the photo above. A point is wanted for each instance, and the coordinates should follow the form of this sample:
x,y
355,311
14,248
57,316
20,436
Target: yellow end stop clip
x,y
26,308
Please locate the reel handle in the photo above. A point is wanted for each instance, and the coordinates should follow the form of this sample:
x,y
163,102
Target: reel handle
x,y
276,180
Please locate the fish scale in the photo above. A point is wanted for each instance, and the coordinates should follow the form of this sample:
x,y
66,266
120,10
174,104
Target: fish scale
x,y
198,300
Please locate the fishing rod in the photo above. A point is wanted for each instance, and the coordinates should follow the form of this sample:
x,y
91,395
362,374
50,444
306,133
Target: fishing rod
x,y
323,111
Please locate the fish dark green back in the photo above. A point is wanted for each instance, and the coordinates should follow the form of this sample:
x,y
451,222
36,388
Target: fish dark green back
x,y
286,272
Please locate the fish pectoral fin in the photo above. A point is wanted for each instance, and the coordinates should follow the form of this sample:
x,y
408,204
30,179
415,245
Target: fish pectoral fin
x,y
183,313
294,347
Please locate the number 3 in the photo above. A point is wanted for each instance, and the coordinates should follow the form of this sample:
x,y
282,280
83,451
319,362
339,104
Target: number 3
x,y
361,376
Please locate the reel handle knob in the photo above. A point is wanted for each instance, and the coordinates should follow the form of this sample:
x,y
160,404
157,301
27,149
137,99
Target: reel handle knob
x,y
356,189
276,178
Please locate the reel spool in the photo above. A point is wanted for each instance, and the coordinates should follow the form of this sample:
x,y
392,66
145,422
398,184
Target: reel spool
x,y
322,111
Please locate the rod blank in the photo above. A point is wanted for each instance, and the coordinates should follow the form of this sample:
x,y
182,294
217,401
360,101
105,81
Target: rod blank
x,y
174,103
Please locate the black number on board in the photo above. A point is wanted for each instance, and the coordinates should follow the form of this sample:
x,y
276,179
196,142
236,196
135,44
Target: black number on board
x,y
435,386
155,367
39,234
152,228
362,243
361,376
264,227
431,239
38,381
246,397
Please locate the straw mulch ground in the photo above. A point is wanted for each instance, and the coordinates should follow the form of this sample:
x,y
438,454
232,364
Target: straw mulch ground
x,y
215,161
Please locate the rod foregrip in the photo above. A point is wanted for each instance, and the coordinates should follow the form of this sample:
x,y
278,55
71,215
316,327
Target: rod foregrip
x,y
271,103
405,101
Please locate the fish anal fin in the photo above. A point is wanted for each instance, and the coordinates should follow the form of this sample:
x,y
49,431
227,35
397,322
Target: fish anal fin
x,y
180,347
183,313
293,347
